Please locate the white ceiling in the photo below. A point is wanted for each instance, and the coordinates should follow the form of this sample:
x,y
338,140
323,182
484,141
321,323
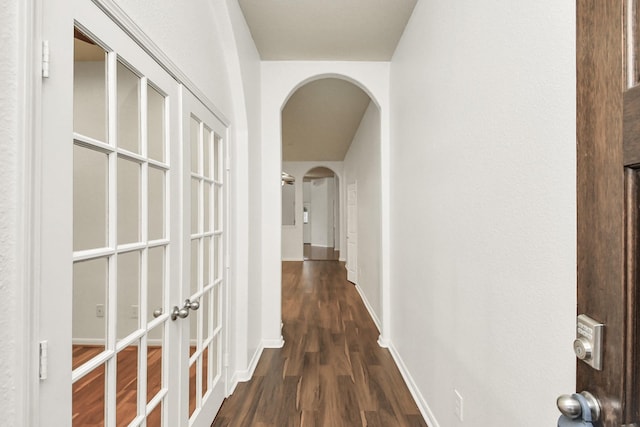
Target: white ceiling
x,y
321,118
340,30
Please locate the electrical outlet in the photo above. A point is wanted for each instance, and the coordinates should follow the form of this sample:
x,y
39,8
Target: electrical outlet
x,y
459,402
100,310
134,312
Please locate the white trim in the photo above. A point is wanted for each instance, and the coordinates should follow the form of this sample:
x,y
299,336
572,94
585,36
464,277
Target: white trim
x,y
29,82
292,259
89,341
372,313
385,223
277,343
155,342
426,412
247,374
122,20
342,259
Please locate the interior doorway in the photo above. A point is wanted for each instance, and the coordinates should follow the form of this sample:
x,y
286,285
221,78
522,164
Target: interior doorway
x,y
321,215
336,123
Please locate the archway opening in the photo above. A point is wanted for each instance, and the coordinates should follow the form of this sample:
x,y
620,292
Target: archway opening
x,y
321,215
320,119
333,124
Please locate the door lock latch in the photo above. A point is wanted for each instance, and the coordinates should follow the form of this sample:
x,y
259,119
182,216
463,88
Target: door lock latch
x,y
588,343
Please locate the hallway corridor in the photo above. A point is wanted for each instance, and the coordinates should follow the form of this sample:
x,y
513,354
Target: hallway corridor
x,y
331,371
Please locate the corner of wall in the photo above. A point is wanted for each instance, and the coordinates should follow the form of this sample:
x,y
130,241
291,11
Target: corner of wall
x,y
424,408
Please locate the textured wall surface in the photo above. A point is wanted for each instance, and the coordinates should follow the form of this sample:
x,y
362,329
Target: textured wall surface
x,y
244,76
483,208
9,366
187,33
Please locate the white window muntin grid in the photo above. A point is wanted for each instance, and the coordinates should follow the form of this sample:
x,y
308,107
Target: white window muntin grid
x,y
217,249
110,253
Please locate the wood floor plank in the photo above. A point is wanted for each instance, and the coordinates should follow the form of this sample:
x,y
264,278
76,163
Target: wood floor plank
x,y
88,392
319,253
331,372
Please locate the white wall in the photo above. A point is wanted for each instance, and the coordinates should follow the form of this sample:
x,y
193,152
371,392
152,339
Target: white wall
x,y
362,166
292,236
12,364
483,208
336,214
288,205
243,62
190,34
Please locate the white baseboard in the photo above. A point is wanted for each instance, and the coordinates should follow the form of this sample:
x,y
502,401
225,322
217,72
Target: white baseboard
x,y
372,313
153,342
277,343
342,259
89,341
292,259
245,375
426,412
382,342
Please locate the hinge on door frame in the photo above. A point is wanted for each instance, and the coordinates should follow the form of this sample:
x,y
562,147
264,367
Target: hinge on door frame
x,y
45,59
43,359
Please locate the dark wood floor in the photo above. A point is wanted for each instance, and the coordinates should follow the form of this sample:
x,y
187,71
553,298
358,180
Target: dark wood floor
x,y
319,253
88,392
331,371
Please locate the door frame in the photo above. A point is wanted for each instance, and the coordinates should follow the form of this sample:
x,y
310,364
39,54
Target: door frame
x,y
27,296
606,287
352,274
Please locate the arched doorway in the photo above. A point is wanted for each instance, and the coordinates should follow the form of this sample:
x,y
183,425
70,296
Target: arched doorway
x,y
330,128
321,215
285,79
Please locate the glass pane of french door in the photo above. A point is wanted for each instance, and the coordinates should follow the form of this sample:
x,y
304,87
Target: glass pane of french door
x,y
205,136
122,246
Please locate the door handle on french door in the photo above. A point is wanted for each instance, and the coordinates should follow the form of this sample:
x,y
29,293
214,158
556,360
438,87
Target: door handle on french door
x,y
184,311
193,305
157,313
179,312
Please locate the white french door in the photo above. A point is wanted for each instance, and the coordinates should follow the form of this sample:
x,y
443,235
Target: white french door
x,y
205,205
131,276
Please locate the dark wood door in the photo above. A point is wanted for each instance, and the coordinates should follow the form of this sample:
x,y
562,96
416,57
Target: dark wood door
x,y
608,200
